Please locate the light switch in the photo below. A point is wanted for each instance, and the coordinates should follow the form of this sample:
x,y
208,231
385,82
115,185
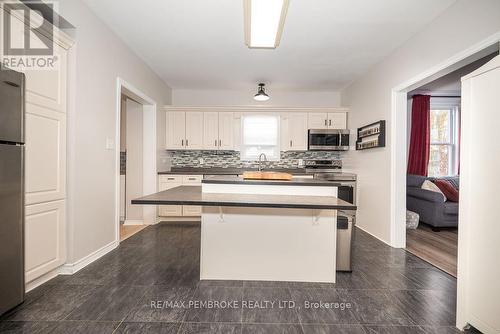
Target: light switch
x,y
110,144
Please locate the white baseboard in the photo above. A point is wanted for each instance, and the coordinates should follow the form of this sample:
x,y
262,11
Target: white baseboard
x,y
42,279
178,219
71,268
133,222
373,235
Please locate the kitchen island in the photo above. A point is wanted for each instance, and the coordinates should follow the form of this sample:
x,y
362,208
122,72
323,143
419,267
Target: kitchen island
x,y
262,229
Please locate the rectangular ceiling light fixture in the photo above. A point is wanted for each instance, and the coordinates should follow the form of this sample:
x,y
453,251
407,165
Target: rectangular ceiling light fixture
x,y
264,21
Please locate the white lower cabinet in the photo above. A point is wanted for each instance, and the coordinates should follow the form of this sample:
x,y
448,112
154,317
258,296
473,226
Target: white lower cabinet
x,y
166,182
45,238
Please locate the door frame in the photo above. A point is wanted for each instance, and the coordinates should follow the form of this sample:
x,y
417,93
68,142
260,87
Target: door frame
x,y
399,137
148,152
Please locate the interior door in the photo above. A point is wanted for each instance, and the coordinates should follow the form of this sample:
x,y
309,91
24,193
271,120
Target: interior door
x,y
194,130
479,230
210,130
226,133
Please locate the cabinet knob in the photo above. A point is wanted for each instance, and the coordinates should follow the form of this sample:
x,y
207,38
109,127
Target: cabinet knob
x,y
215,143
187,142
291,143
330,121
182,142
326,122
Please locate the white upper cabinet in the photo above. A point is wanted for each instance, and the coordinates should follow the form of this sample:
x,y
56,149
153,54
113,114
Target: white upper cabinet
x,y
184,130
226,131
294,131
194,131
176,130
337,120
333,120
318,120
210,130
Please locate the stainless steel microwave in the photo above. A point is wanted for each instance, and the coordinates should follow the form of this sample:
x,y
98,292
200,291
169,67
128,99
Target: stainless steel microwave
x,y
328,140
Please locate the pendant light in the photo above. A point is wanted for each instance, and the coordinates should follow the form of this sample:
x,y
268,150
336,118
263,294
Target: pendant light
x,y
261,94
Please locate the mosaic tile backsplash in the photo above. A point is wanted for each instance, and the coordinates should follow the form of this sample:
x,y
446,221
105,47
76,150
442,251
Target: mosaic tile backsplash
x,y
123,163
225,159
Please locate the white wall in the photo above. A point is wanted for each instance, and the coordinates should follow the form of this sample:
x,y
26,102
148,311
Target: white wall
x,y
463,25
186,97
100,57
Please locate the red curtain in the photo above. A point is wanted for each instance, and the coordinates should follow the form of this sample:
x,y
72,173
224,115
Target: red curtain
x,y
418,158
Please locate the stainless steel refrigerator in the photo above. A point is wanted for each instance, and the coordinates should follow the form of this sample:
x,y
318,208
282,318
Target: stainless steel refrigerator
x,y
11,189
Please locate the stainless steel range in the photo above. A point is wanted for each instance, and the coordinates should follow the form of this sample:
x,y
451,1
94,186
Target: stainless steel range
x,y
331,170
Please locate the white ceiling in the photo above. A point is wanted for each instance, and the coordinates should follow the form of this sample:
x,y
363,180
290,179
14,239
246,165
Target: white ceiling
x,y
326,44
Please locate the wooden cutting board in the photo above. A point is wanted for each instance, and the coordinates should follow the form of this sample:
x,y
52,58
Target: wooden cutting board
x,y
267,176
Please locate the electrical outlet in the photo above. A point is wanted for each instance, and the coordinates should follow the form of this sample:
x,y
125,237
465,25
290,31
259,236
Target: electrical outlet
x,y
110,144
301,162
201,161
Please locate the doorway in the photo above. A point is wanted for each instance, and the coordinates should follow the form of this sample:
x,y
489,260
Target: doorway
x,y
399,165
432,221
135,159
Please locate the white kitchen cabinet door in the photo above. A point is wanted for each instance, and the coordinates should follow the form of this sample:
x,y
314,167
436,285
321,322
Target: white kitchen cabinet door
x,y
226,131
210,131
236,131
45,167
194,131
48,88
176,130
317,120
297,132
337,120
165,183
45,238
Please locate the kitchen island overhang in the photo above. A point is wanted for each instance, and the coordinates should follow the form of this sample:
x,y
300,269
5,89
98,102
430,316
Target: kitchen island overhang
x,y
263,230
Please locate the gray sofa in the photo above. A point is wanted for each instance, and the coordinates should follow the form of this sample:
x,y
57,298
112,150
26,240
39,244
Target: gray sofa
x,y
431,207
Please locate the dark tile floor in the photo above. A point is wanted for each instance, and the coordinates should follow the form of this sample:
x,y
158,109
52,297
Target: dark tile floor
x,y
389,291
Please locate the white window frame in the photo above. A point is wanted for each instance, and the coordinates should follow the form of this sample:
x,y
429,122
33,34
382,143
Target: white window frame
x,y
244,146
453,105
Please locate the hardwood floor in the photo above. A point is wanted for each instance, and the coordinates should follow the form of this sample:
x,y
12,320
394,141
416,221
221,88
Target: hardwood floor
x,y
126,231
437,248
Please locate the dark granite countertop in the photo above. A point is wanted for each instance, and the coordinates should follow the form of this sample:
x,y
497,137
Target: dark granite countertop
x,y
192,195
232,179
228,171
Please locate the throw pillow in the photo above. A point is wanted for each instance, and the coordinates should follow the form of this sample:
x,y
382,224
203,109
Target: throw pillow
x,y
448,190
429,185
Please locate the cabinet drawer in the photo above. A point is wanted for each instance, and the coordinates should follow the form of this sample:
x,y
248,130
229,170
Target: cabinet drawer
x,y
170,210
170,178
191,179
191,210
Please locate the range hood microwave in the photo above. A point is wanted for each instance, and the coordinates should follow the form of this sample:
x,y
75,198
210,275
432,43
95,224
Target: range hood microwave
x,y
328,140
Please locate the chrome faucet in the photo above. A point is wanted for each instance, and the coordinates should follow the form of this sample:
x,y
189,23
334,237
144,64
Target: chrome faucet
x,y
260,160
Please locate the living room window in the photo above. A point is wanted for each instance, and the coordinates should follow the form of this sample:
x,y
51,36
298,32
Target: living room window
x,y
260,134
444,132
